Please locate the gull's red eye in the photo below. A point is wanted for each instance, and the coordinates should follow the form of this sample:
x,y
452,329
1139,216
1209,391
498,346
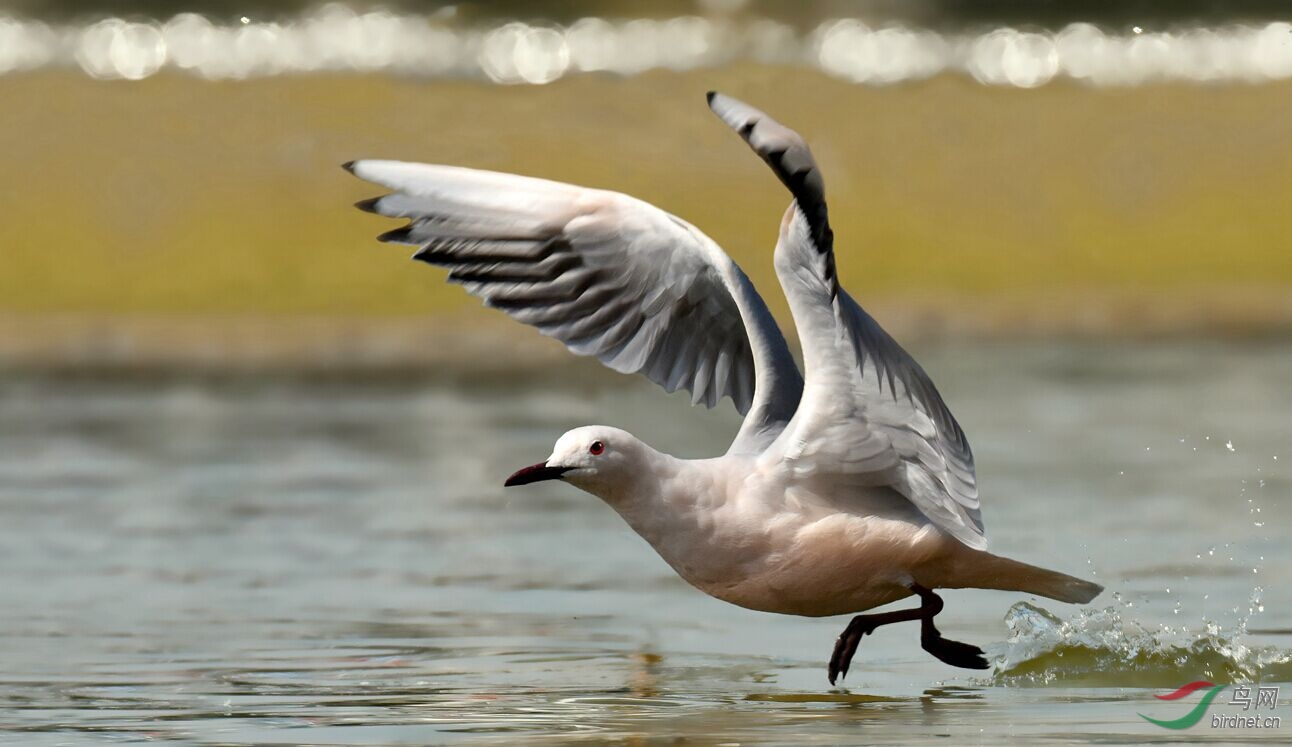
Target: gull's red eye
x,y
596,448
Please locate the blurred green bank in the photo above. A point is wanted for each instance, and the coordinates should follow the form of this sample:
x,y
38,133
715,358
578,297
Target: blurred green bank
x,y
957,206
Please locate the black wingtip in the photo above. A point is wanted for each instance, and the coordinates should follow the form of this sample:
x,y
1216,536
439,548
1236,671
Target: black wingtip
x,y
709,96
396,235
348,166
369,205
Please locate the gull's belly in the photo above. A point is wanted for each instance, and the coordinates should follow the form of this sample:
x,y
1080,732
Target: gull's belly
x,y
749,538
810,563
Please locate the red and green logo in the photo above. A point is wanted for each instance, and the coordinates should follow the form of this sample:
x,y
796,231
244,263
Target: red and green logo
x,y
1194,716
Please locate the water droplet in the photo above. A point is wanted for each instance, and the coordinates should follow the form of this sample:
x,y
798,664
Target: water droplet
x,y
1229,445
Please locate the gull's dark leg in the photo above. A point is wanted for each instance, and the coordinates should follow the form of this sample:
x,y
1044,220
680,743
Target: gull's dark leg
x,y
955,653
862,625
952,652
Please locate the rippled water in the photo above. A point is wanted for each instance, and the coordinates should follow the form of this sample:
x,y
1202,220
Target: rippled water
x,y
330,560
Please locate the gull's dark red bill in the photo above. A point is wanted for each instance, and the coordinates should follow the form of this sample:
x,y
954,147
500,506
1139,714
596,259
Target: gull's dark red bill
x,y
534,473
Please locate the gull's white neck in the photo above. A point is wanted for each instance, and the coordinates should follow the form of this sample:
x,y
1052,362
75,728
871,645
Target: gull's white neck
x,y
684,508
643,495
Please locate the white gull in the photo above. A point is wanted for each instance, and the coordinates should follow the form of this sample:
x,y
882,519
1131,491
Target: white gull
x,y
846,488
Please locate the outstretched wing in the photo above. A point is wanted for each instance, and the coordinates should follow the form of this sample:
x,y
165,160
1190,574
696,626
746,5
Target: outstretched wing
x,y
606,274
869,415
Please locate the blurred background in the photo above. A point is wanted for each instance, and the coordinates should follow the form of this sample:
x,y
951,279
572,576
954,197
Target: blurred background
x,y
1099,168
250,459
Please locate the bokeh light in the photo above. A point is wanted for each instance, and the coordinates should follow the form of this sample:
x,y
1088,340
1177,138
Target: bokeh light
x,y
336,38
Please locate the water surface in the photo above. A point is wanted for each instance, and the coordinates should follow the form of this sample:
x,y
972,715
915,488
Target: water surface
x,y
323,559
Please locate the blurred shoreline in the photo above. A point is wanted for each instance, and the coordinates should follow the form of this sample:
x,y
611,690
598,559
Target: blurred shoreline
x,y
208,224
481,341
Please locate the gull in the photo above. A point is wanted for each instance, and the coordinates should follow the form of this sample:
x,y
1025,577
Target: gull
x,y
848,486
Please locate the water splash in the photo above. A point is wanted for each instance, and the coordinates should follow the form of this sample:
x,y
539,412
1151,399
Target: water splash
x,y
439,45
1108,648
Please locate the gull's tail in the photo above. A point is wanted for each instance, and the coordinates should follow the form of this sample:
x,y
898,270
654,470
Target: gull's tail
x,y
987,571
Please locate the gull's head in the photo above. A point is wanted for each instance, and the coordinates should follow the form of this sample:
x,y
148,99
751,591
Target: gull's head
x,y
595,458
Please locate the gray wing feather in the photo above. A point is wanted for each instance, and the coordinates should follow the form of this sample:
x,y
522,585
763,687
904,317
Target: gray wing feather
x,y
791,160
869,410
609,276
